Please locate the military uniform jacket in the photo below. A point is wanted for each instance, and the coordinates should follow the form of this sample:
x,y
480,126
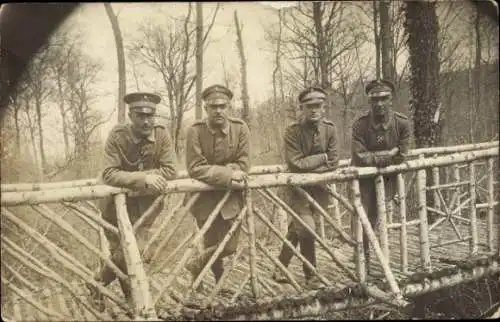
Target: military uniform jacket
x,y
127,161
211,156
368,137
307,149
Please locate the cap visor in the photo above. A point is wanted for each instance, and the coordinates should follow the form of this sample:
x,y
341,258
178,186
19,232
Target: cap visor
x,y
314,101
217,101
146,110
379,94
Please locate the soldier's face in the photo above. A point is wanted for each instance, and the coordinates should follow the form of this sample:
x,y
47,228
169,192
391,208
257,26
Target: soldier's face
x,y
142,123
217,113
313,112
381,105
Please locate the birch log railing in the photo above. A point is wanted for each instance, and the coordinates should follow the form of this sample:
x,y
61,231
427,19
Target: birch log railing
x,y
47,259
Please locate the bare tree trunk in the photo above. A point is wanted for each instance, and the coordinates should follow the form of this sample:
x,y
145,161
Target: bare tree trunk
x,y
243,66
122,81
136,77
33,142
225,74
471,87
477,64
17,108
376,38
386,40
279,106
422,28
320,38
63,117
199,58
43,160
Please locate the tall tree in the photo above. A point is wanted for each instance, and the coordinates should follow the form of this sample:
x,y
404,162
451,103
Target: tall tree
x,y
199,58
386,40
422,28
170,51
120,54
376,37
243,69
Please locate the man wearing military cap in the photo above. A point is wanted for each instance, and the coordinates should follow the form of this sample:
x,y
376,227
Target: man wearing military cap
x,y
137,156
310,146
217,153
379,138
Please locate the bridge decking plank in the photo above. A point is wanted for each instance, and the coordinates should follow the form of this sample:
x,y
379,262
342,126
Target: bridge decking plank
x,y
345,252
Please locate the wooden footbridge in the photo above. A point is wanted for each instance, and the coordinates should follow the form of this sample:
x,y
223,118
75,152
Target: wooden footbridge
x,y
52,243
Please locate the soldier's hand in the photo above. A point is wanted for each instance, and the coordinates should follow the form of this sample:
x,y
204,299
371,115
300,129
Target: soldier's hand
x,y
394,151
398,158
239,176
155,181
332,164
383,161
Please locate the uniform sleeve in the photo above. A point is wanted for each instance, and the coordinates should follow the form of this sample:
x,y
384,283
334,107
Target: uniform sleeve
x,y
198,167
296,158
404,140
360,154
166,158
333,158
113,174
403,143
242,161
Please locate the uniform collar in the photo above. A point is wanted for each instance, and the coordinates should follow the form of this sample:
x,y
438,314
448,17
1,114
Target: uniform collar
x,y
224,129
385,125
309,125
136,140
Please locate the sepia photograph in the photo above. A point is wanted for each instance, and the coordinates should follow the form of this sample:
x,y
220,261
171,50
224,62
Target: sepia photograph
x,y
251,160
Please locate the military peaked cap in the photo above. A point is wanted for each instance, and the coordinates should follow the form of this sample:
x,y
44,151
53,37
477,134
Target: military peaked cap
x,y
312,95
142,102
217,95
379,88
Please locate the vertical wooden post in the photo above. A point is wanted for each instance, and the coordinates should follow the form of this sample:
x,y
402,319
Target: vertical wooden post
x,y
456,177
63,307
473,219
382,216
435,182
373,239
17,308
251,240
491,203
335,205
143,307
425,255
359,256
403,239
322,227
390,210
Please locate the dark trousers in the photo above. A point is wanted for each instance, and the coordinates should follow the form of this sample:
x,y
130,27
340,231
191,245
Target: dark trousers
x,y
369,201
135,209
212,238
307,249
298,234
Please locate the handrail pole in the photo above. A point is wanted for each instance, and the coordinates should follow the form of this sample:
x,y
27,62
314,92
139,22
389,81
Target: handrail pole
x,y
382,216
491,204
424,227
359,256
473,217
403,237
143,307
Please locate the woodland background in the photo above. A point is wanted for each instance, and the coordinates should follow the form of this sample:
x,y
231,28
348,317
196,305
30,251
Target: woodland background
x,y
442,57
265,52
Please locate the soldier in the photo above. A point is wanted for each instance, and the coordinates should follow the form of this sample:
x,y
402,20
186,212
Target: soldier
x,y
217,153
138,156
379,138
310,146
